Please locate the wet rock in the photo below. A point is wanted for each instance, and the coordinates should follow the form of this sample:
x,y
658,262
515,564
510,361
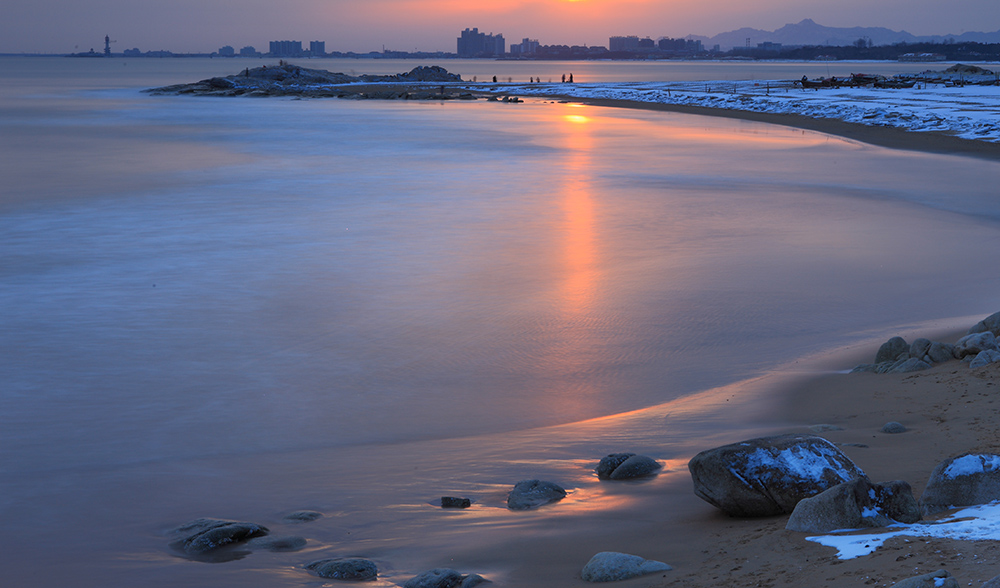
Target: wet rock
x,y
302,516
204,536
966,480
529,494
345,568
854,505
893,428
453,502
892,349
938,579
610,566
444,578
623,466
769,476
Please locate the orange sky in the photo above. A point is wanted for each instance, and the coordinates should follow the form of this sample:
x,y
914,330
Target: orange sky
x,y
433,25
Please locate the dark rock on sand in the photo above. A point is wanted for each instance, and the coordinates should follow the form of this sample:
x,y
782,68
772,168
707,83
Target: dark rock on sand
x,y
938,579
975,343
854,505
529,494
893,428
769,476
920,347
909,365
205,536
302,516
453,502
966,480
609,566
345,568
892,349
990,323
941,352
623,466
444,578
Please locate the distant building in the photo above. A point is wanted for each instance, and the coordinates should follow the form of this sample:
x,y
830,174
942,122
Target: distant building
x,y
286,49
769,46
134,52
630,43
472,43
646,43
227,51
317,48
922,57
248,51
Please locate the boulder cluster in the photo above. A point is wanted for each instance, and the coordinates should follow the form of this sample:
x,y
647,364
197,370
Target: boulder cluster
x,y
978,348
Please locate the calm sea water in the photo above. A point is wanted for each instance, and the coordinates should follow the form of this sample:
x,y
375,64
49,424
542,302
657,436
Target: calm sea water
x,y
188,280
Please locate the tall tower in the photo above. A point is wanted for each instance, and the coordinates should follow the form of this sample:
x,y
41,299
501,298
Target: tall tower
x,y
107,45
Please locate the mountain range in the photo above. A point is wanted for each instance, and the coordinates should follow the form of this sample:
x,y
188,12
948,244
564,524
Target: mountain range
x,y
808,32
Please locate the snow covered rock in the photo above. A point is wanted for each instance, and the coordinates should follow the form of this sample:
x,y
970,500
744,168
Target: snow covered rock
x,y
623,466
990,323
938,579
610,566
770,475
854,505
966,480
529,494
975,343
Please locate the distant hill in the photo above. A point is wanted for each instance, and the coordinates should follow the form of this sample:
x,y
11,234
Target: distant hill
x,y
808,32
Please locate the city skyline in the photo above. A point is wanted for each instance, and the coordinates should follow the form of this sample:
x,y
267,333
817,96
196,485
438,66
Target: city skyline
x,y
61,26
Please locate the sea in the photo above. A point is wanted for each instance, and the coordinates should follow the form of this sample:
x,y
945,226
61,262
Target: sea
x,y
239,308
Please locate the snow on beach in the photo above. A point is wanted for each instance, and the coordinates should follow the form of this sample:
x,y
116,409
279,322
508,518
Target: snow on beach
x,y
970,112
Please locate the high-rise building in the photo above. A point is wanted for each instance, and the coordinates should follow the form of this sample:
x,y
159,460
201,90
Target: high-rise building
x,y
227,51
248,51
630,43
286,48
472,43
317,48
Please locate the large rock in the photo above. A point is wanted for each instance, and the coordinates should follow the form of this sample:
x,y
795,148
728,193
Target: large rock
x,y
344,568
974,344
909,365
892,349
444,578
623,466
529,494
985,358
920,347
609,566
966,480
204,536
769,476
854,505
938,579
941,352
990,323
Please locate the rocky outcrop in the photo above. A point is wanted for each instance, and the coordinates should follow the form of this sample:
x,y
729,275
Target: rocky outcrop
x,y
344,568
529,494
938,579
769,476
892,349
990,323
624,466
854,505
204,537
609,566
444,578
966,480
975,344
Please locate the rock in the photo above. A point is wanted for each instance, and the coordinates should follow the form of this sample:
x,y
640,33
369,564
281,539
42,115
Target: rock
x,y
985,358
993,582
892,349
453,502
941,352
344,568
609,566
938,579
277,544
893,428
854,505
865,368
302,516
769,476
529,494
204,536
436,578
966,480
974,344
910,365
623,466
920,347
990,323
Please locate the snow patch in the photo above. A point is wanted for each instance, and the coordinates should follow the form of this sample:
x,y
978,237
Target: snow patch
x,y
968,465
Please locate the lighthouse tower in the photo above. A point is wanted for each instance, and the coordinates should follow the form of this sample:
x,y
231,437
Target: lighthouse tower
x,y
107,45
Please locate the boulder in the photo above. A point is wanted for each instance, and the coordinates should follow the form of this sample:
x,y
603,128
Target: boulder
x,y
302,516
892,349
609,566
966,480
444,578
623,466
974,344
941,352
893,428
920,347
854,505
770,475
990,323
455,502
909,365
938,579
985,358
344,568
204,536
993,582
529,494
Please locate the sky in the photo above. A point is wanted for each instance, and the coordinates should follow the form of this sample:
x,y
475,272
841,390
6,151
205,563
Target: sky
x,y
197,26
